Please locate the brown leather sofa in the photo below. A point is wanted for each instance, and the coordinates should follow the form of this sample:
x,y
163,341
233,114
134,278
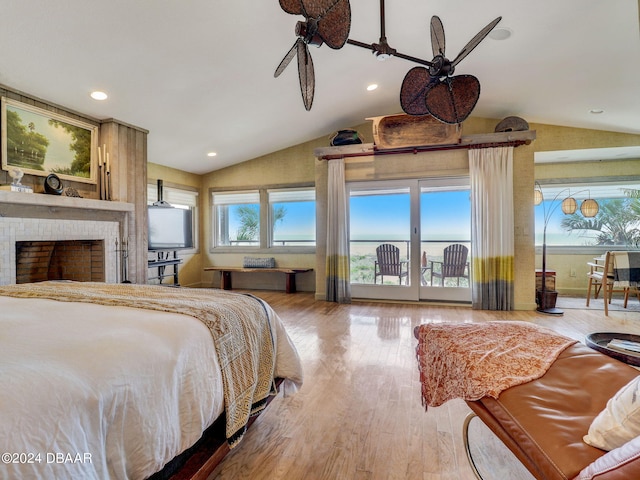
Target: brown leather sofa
x,y
543,422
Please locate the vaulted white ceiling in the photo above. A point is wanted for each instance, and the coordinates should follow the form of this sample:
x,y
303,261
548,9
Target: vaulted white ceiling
x,y
199,74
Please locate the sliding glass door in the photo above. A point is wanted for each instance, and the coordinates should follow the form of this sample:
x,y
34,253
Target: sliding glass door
x,y
445,240
398,234
380,220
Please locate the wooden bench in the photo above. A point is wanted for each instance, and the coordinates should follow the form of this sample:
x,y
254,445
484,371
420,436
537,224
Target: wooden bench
x,y
225,275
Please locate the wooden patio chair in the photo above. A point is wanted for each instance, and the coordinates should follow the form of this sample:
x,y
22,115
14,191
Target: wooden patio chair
x,y
454,264
388,263
601,278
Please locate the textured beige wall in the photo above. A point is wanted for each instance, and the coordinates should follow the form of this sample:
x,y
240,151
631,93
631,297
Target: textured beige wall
x,y
190,271
292,166
571,269
552,137
448,163
297,165
524,227
173,176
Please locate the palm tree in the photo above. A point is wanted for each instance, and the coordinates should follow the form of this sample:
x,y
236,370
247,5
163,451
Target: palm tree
x,y
617,222
250,221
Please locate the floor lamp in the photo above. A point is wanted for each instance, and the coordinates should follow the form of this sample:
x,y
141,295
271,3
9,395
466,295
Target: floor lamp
x,y
589,208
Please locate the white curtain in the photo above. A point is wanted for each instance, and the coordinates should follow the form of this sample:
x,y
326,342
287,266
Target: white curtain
x,y
337,269
492,247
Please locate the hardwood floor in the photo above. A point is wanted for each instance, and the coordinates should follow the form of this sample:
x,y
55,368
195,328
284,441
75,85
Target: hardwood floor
x,y
359,414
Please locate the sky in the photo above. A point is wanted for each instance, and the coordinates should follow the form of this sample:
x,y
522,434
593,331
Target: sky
x,y
298,223
556,235
443,216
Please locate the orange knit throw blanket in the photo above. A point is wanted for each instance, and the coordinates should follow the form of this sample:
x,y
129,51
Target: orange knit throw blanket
x,y
473,360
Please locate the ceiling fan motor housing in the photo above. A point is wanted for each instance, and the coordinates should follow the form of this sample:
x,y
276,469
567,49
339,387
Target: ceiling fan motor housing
x,y
441,67
308,31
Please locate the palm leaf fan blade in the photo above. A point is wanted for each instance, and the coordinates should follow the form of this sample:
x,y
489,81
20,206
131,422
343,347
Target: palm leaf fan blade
x,y
473,43
452,100
294,7
437,36
415,85
335,23
287,58
318,8
306,75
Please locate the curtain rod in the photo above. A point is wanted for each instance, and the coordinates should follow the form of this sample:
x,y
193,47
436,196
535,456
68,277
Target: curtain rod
x,y
483,140
424,148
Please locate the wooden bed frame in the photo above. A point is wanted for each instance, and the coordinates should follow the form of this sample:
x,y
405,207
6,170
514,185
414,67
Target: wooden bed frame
x,y
199,461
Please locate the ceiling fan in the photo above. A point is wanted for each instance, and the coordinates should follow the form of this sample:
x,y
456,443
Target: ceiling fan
x,y
436,90
433,89
326,21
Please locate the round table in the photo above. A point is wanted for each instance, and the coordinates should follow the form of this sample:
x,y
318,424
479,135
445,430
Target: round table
x,y
599,340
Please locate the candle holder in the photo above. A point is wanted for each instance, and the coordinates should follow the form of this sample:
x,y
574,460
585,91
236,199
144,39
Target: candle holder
x,y
104,173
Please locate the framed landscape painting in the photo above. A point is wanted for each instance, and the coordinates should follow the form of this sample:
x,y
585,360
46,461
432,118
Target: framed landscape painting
x,y
40,142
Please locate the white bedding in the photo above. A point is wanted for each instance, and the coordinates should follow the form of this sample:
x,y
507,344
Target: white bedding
x,y
93,391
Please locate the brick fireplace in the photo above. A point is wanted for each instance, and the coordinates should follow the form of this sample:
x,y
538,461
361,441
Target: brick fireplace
x,y
28,245
44,238
79,260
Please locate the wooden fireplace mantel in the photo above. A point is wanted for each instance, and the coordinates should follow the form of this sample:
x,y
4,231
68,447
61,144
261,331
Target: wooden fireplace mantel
x,y
61,201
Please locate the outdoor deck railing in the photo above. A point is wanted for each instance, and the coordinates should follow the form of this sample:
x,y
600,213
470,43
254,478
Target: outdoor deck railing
x,y
363,257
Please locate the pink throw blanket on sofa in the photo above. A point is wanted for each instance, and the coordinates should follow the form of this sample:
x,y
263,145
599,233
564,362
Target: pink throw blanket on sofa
x,y
473,360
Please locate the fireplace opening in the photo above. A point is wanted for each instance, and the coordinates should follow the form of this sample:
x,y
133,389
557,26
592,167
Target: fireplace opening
x,y
79,260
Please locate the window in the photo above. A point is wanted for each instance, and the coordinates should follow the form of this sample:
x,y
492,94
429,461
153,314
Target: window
x,y
292,217
179,198
237,218
617,223
265,218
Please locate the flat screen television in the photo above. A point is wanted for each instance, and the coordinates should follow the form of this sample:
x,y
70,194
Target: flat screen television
x,y
170,228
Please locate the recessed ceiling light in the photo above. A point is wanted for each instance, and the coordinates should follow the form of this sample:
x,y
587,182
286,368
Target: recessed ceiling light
x,y
211,154
372,87
500,33
596,111
98,95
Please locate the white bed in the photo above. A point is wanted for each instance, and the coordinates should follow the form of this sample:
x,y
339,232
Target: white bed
x,y
95,391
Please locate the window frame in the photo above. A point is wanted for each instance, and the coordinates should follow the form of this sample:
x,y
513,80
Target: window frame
x,y
215,227
577,188
266,217
302,192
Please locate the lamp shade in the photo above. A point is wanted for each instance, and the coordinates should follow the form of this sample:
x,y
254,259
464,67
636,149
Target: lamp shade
x,y
589,208
569,205
537,196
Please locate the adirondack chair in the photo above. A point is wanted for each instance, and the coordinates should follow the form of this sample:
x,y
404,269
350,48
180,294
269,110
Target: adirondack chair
x,y
454,264
388,263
